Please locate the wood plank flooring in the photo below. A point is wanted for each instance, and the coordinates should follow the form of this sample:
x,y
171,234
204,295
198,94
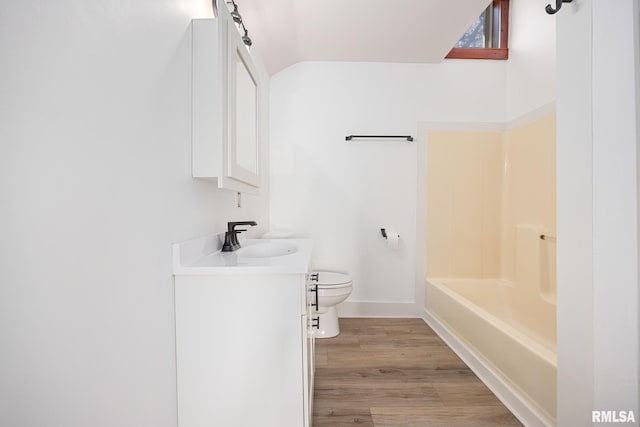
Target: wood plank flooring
x,y
398,372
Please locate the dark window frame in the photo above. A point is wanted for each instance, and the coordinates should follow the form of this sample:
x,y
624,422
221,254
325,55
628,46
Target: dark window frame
x,y
501,15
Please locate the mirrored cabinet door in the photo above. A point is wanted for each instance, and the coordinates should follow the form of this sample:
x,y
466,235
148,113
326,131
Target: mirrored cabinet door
x,y
244,115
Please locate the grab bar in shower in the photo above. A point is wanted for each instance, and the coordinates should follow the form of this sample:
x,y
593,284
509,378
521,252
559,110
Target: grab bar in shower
x,y
549,238
409,138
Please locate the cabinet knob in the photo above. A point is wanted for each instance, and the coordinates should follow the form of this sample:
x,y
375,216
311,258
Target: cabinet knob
x,y
313,277
315,322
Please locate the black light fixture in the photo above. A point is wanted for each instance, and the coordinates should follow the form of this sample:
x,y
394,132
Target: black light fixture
x,y
237,18
235,15
246,39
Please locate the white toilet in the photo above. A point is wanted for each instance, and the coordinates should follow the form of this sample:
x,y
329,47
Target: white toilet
x,y
333,288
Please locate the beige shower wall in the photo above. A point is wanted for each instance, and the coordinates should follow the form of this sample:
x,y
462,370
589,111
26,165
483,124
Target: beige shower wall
x,y
464,192
530,193
480,185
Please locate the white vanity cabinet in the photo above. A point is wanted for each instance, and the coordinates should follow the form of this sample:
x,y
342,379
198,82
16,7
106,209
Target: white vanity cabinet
x,y
243,344
229,102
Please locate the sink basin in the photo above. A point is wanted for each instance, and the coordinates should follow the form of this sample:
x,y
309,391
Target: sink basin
x,y
203,257
267,250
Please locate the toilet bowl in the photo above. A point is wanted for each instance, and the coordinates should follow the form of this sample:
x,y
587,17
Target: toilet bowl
x,y
333,288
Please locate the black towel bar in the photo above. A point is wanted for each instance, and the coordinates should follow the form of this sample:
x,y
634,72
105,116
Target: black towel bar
x,y
407,137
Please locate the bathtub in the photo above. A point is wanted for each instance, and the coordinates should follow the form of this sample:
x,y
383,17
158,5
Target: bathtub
x,y
512,334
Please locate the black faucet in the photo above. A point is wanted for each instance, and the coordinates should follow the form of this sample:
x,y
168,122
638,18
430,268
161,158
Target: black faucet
x,y
231,236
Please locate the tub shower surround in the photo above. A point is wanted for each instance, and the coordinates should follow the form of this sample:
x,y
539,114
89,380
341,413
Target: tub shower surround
x,y
490,289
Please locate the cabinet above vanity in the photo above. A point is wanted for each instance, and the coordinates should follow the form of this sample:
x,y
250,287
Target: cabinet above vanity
x,y
230,89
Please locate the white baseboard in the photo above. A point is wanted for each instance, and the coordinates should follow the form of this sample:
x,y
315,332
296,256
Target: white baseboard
x,y
377,309
525,412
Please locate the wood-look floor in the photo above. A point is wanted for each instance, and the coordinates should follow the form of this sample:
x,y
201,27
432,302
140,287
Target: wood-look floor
x,y
398,372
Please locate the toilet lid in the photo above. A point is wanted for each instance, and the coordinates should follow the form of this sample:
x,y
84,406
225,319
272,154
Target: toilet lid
x,y
331,278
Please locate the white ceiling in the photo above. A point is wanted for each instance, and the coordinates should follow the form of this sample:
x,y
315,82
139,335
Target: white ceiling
x,y
410,31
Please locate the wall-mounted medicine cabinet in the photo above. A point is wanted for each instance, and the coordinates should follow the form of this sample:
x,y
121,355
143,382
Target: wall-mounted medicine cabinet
x,y
229,96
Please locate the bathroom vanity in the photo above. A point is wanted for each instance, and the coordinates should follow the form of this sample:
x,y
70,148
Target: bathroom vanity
x,y
244,344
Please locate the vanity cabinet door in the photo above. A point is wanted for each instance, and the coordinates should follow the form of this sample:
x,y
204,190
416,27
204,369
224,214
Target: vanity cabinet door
x,y
309,347
240,351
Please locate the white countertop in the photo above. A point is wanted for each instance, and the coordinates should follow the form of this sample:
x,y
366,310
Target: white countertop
x,y
202,256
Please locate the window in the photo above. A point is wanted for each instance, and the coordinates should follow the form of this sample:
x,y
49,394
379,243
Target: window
x,y
488,36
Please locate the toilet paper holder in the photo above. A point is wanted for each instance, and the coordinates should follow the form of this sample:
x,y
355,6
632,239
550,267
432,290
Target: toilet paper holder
x,y
383,231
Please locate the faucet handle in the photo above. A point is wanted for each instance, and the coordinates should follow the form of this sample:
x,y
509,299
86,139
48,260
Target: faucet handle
x,y
234,237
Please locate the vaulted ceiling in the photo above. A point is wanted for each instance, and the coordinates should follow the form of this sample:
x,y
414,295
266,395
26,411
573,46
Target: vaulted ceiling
x,y
406,31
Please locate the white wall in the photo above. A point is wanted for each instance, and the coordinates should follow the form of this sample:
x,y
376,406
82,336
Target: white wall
x,y
615,199
598,341
94,187
341,193
531,68
574,158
